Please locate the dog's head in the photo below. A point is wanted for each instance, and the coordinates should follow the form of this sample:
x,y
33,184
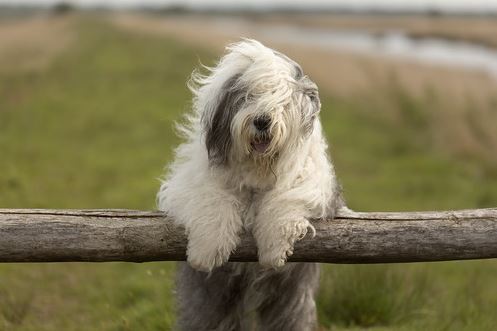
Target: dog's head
x,y
256,103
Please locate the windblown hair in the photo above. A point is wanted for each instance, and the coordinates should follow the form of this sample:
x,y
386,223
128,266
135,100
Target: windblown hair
x,y
255,159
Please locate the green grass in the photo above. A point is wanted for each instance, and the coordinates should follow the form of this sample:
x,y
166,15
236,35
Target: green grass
x,y
94,130
393,165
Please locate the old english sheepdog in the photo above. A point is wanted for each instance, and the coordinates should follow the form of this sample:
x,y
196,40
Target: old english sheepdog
x,y
255,159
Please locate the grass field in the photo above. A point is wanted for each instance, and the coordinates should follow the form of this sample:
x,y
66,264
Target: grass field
x,y
92,128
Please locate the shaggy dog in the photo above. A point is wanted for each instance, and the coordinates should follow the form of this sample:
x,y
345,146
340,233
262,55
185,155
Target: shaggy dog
x,y
255,159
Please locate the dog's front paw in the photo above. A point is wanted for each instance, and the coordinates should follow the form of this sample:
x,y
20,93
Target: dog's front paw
x,y
275,253
206,257
275,257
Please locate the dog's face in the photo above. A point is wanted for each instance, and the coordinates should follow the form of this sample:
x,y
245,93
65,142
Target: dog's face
x,y
263,107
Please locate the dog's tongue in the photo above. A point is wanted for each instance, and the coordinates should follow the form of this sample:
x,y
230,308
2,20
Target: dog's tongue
x,y
261,147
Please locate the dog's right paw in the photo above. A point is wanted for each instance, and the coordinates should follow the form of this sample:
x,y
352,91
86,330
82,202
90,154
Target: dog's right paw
x,y
276,257
278,248
207,258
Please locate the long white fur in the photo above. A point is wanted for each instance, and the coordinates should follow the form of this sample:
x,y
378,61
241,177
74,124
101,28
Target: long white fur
x,y
272,195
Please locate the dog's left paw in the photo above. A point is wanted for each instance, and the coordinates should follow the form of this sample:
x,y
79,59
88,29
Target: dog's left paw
x,y
205,255
275,254
205,263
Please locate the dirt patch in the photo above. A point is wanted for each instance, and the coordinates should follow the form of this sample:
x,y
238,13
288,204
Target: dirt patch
x,y
31,44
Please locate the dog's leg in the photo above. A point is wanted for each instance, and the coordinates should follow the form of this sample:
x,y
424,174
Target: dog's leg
x,y
284,213
208,301
289,303
279,224
209,213
213,235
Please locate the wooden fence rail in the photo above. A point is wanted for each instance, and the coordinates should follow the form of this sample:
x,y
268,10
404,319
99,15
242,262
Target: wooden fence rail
x,y
34,235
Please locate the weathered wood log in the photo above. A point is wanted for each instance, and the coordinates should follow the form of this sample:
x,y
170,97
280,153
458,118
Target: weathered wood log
x,y
140,236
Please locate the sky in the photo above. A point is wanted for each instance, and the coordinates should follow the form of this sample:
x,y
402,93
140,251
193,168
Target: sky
x,y
478,5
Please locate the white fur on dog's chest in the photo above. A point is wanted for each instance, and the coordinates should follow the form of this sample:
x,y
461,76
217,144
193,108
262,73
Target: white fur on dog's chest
x,y
249,187
251,200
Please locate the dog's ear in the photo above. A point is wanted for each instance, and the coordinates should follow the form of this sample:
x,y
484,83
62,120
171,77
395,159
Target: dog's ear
x,y
218,121
315,101
311,105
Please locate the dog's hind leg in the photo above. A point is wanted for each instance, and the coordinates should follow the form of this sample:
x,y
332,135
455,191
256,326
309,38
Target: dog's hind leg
x,y
208,301
289,304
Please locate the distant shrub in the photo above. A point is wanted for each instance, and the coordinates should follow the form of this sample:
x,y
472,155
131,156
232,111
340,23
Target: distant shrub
x,y
62,8
175,9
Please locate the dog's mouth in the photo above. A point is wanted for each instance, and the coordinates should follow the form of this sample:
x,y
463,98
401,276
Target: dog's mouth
x,y
261,145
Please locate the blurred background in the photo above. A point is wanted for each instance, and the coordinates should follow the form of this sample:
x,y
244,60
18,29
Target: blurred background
x,y
89,92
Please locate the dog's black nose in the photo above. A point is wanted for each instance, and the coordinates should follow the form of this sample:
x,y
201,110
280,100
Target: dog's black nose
x,y
262,123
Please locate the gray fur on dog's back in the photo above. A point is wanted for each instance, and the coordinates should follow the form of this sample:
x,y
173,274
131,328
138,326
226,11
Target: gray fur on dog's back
x,y
244,296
